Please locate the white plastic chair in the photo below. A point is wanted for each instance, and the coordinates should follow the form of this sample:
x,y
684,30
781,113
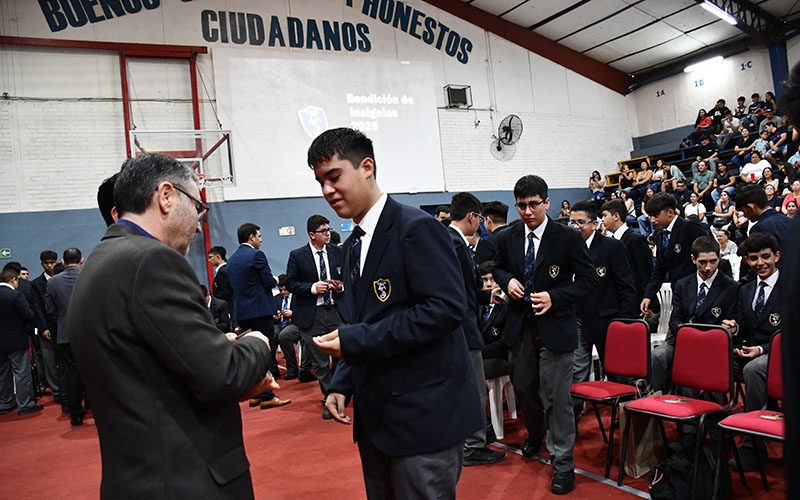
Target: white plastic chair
x,y
665,303
497,386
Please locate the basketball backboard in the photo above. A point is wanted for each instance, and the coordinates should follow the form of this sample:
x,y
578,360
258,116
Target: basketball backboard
x,y
207,152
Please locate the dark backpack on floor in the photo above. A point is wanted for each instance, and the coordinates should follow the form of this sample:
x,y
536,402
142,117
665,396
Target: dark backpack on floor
x,y
672,478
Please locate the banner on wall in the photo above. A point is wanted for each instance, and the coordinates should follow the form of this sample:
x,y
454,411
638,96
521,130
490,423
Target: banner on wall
x,y
253,25
275,107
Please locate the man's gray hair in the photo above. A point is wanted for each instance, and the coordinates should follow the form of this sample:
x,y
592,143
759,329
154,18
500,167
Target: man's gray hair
x,y
136,184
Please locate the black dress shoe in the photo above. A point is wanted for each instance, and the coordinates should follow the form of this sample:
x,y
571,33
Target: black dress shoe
x,y
5,411
76,421
563,483
531,447
483,456
32,409
326,415
306,377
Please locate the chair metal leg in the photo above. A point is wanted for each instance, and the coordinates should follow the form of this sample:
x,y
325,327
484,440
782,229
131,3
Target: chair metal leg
x,y
718,466
757,443
600,422
697,442
627,433
610,452
663,432
738,462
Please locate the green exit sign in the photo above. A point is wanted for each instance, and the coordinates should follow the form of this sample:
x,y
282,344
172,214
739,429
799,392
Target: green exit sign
x,y
5,253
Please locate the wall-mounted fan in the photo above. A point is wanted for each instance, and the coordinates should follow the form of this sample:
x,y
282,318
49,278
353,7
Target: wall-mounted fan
x,y
503,146
510,130
501,151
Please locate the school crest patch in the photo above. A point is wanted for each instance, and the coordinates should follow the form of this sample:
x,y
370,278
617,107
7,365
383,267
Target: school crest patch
x,y
677,247
554,270
601,271
774,319
382,288
716,312
339,270
495,331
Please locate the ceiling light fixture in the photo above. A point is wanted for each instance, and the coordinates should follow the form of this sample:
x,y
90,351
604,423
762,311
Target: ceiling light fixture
x,y
702,64
719,12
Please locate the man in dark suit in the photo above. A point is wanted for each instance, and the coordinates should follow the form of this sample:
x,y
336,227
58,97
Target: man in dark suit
x,y
46,328
545,269
495,215
707,297
673,240
465,220
752,200
758,318
404,356
314,276
637,251
253,304
59,291
15,364
218,309
614,297
221,285
164,383
288,334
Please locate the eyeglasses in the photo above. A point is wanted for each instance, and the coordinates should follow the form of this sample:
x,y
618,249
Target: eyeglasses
x,y
480,217
579,223
322,231
533,205
202,208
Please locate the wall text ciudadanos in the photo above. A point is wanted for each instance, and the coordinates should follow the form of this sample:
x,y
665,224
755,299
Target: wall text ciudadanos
x,y
250,28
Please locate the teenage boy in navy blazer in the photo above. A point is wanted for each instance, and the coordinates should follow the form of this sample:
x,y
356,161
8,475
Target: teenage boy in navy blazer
x,y
314,276
404,356
673,240
758,318
614,297
288,334
707,297
465,220
640,258
541,322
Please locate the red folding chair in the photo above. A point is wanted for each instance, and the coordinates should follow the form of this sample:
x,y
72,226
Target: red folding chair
x,y
702,361
763,424
627,354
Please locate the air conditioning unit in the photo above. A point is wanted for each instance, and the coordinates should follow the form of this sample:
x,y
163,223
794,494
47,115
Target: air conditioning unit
x,y
458,96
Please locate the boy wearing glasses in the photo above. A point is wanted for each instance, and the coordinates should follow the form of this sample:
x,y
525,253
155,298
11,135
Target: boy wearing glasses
x,y
545,269
614,297
314,277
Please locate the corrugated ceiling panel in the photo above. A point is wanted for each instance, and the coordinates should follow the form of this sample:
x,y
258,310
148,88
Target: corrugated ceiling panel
x,y
607,30
660,8
584,15
715,33
657,55
532,12
495,7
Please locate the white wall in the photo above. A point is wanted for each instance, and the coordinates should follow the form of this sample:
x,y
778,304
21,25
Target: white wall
x,y
61,128
675,101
